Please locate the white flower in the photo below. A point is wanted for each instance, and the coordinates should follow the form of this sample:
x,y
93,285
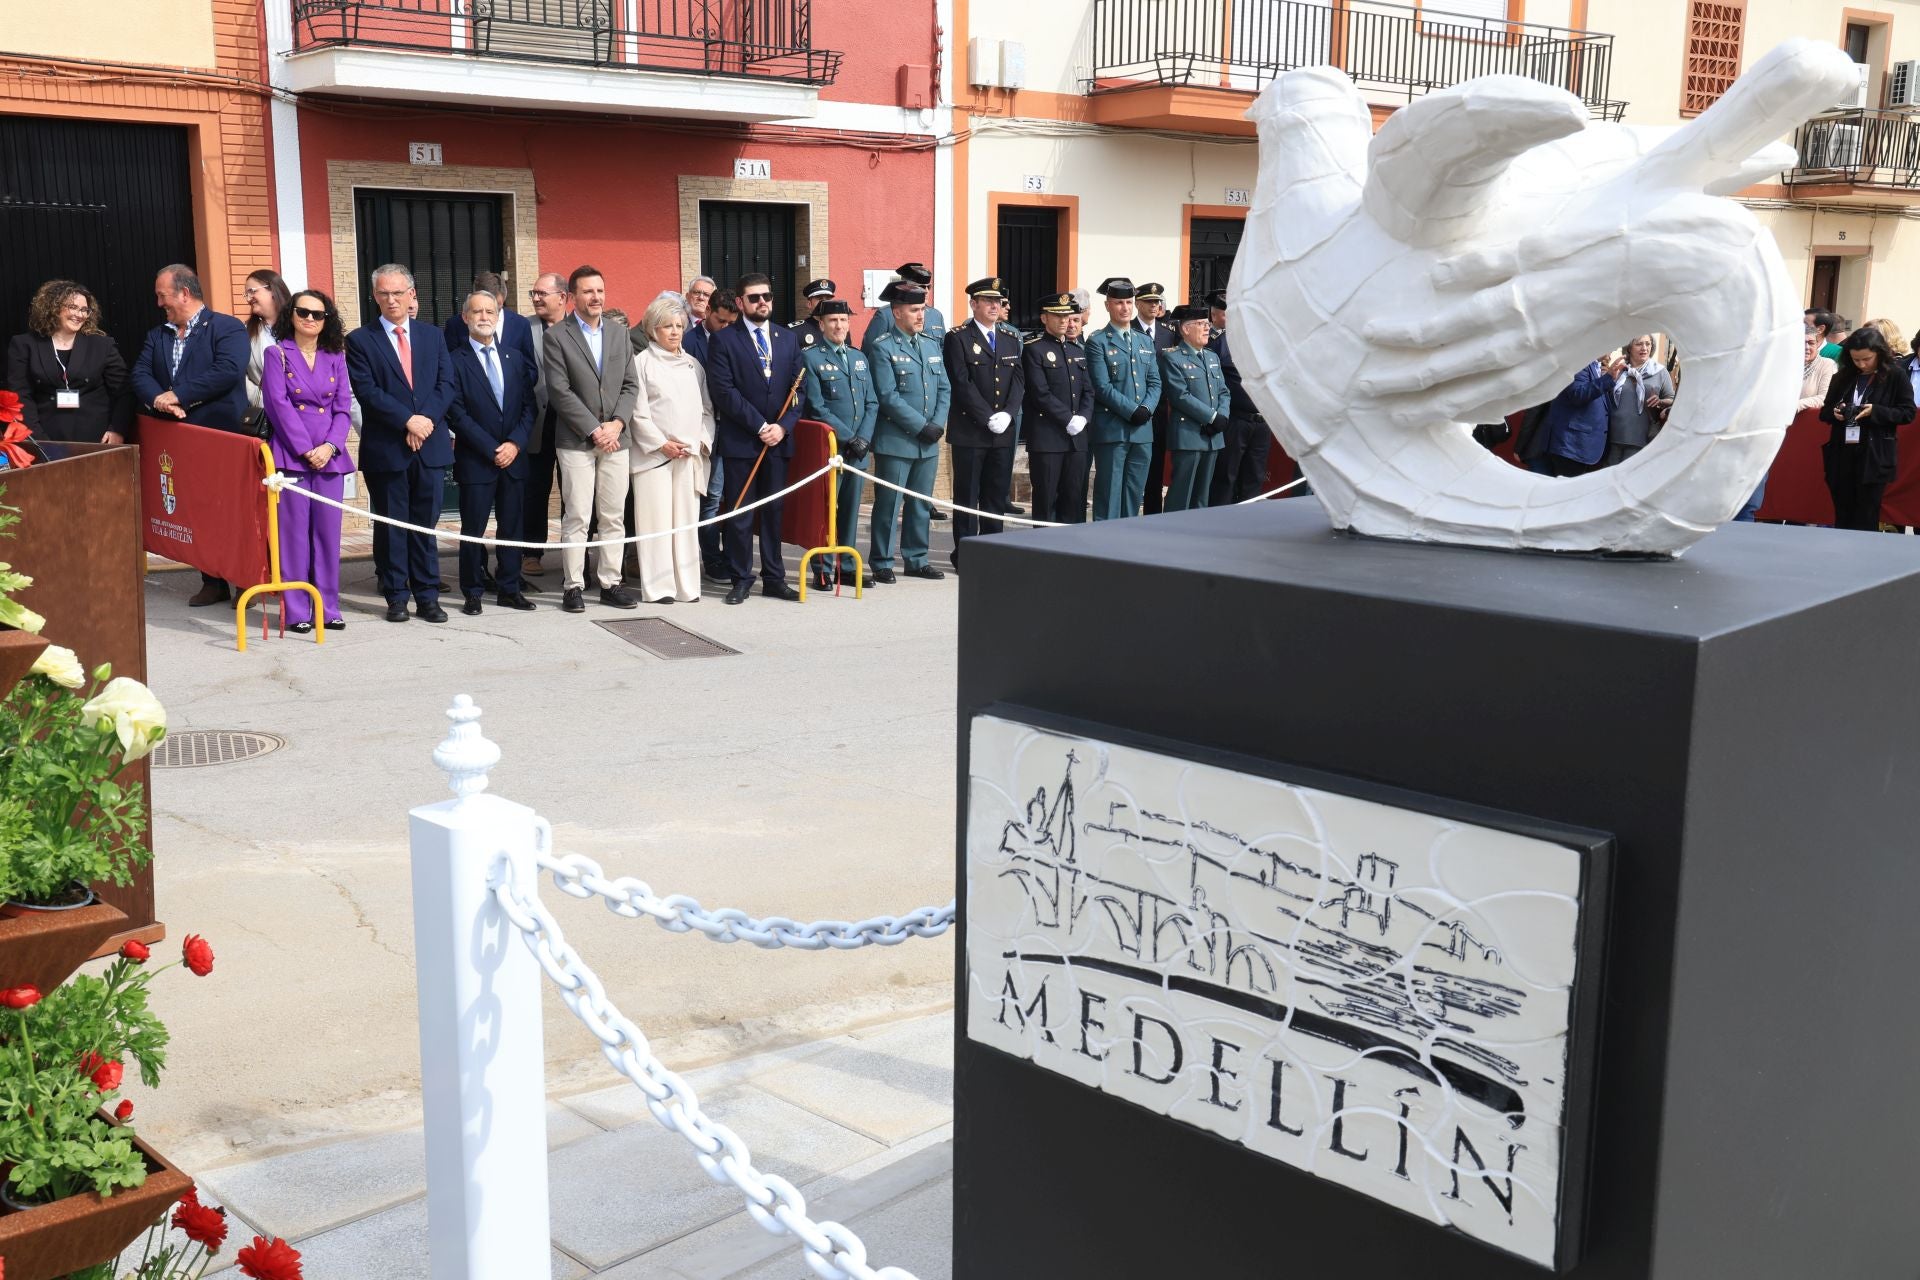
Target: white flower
x,y
137,716
18,616
60,666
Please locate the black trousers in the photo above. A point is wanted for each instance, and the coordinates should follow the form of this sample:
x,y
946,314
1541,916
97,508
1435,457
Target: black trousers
x,y
505,500
1157,465
1559,465
536,496
1240,472
737,533
1059,486
983,478
1856,505
406,564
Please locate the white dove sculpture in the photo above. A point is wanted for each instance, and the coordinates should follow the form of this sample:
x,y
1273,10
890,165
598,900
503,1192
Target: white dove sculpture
x,y
1487,243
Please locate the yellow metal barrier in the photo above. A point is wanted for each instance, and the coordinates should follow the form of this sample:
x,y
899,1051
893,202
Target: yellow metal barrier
x,y
274,586
833,531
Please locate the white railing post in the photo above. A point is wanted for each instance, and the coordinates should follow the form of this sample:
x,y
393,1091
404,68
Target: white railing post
x,y
482,1058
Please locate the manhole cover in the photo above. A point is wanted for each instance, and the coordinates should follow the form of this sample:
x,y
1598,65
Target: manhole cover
x,y
664,640
194,747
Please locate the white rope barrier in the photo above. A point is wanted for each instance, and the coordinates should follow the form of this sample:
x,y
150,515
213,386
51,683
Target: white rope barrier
x,y
581,877
832,1251
280,482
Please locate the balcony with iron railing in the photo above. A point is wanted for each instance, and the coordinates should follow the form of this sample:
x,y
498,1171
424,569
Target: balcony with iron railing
x,y
1858,156
1394,52
374,47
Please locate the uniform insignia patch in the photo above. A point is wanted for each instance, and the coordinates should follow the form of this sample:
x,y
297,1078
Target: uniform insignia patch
x,y
976,348
1051,358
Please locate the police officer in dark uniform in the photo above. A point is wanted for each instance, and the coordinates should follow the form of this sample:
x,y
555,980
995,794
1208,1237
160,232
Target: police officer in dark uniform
x,y
1151,303
1059,405
985,368
1240,472
807,327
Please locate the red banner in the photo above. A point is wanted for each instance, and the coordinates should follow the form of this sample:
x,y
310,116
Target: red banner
x,y
1797,485
803,514
201,500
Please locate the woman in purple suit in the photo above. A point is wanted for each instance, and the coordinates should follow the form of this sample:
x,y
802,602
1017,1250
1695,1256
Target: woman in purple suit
x,y
303,387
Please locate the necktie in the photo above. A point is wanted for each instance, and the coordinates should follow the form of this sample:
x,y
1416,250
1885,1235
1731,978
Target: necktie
x,y
406,353
989,342
494,379
766,356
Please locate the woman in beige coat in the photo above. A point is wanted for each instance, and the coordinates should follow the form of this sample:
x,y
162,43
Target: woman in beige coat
x,y
671,442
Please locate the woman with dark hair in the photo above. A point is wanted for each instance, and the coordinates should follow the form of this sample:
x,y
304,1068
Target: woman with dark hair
x,y
267,299
69,376
1868,401
303,384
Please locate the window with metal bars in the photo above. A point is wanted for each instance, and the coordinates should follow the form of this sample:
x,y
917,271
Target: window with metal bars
x,y
1715,31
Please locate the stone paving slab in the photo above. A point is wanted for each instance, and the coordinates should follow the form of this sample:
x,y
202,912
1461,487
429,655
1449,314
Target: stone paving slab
x,y
389,1245
890,1086
620,1194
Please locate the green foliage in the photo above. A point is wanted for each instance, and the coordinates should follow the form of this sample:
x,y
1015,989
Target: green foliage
x,y
80,824
50,1129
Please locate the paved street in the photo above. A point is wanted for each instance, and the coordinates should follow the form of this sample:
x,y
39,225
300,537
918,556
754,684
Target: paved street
x,y
810,776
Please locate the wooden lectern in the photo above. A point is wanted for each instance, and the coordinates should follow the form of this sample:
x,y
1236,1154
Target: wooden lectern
x,y
79,540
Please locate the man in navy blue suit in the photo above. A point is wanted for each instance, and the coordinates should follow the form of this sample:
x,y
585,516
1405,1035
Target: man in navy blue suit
x,y
514,331
403,382
193,368
752,368
492,418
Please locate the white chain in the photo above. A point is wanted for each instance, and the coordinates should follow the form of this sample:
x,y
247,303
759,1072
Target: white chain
x,y
832,1250
582,878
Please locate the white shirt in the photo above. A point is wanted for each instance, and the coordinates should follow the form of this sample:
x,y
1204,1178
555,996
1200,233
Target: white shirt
x,y
593,333
987,333
393,329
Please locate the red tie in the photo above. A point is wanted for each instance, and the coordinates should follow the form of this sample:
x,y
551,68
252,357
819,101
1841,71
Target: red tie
x,y
406,353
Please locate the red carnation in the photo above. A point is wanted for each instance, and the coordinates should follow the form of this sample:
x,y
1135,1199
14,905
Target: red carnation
x,y
199,954
124,1112
200,1224
20,997
10,410
270,1261
105,1075
135,951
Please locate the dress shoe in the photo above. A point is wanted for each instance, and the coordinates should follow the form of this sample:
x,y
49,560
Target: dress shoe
x,y
717,571
300,628
472,607
779,591
738,594
926,571
514,600
937,514
1014,510
572,601
336,624
209,593
882,576
663,600
618,597
532,565
821,580
397,611
431,612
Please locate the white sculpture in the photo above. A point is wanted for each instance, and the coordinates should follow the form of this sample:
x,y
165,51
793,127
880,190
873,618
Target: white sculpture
x,y
1489,242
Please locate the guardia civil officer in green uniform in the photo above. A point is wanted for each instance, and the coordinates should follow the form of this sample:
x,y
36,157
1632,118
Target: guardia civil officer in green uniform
x,y
913,274
1199,405
1059,406
807,327
1125,368
839,390
983,363
910,379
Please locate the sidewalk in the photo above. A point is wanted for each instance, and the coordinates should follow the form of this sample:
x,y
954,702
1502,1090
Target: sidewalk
x,y
861,1123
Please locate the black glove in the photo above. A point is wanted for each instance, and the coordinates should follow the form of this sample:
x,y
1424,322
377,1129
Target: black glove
x,y
931,433
1141,414
856,449
1218,424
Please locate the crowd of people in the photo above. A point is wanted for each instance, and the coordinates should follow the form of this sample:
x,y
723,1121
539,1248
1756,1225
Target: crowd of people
x,y
690,415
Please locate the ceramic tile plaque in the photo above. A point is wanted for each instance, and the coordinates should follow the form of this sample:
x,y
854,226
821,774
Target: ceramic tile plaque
x,y
1381,995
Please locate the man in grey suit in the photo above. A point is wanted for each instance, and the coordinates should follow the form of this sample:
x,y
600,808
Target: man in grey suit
x,y
591,389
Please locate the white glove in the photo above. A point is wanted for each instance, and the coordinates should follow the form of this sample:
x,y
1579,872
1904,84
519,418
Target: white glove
x,y
1076,424
999,422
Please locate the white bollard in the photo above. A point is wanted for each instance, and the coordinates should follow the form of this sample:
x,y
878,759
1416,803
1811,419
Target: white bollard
x,y
482,1057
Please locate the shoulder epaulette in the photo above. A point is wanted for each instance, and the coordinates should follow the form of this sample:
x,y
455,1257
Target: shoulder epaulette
x,y
1031,338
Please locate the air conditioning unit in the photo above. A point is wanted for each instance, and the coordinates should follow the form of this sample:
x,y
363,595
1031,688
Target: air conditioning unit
x,y
983,63
1832,145
1903,84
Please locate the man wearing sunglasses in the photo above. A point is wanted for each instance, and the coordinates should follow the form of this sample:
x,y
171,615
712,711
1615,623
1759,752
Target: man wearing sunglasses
x,y
753,372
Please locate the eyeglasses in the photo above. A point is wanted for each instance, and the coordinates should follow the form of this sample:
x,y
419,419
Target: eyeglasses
x,y
78,308
305,314
385,294
756,297
699,293
541,295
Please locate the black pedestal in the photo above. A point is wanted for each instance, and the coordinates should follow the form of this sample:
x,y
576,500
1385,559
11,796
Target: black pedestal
x,y
1745,722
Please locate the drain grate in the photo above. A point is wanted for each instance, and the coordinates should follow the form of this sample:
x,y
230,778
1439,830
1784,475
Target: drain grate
x,y
196,747
663,639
